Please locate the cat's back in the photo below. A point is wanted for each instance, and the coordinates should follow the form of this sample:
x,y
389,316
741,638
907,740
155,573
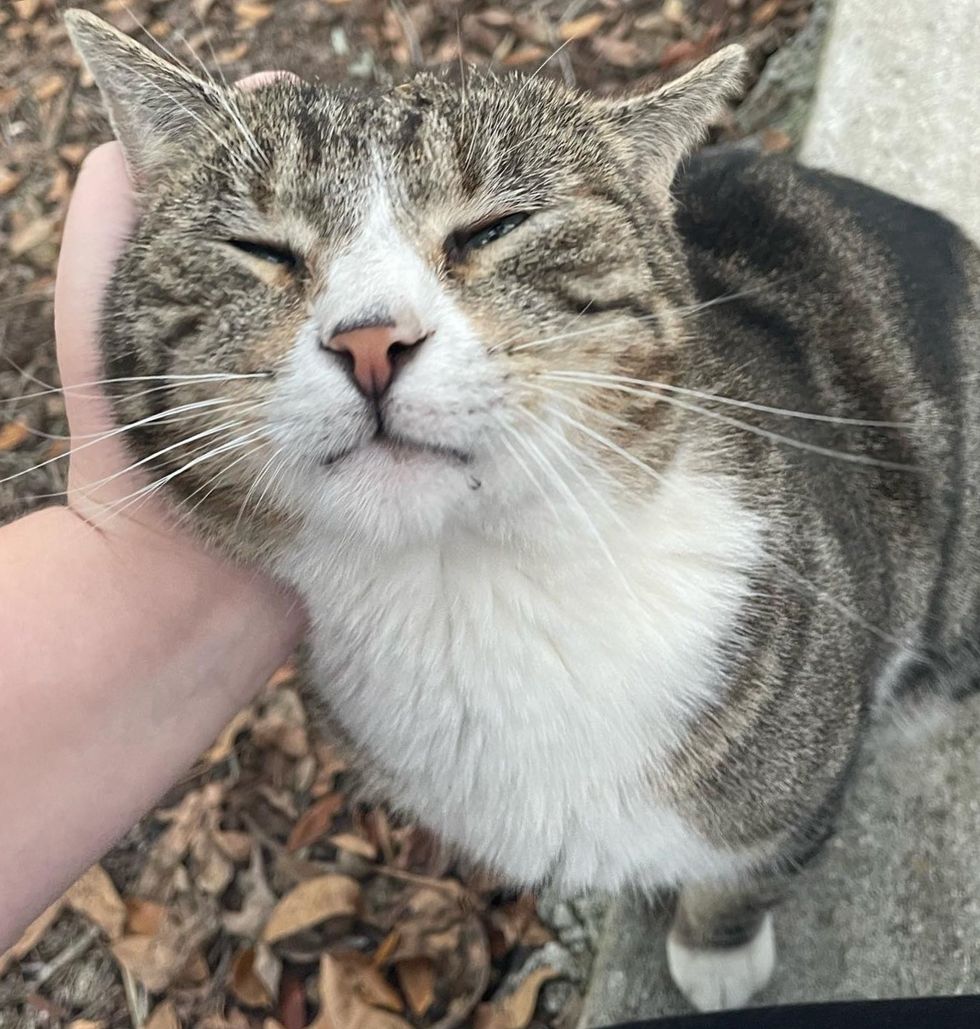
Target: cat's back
x,y
828,296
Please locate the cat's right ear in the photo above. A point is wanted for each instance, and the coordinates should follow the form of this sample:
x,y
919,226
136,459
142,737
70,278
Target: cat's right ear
x,y
155,108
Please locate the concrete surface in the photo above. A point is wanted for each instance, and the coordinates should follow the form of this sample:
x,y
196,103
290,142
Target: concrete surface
x,y
893,906
898,103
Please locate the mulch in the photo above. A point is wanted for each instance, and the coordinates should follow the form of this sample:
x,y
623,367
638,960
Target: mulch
x,y
259,893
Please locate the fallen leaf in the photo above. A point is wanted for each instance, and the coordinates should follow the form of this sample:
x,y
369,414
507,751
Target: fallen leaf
x,y
26,9
516,1010
525,55
579,27
315,821
233,54
73,153
225,743
255,974
161,959
9,181
623,53
33,234
313,902
31,935
49,87
94,897
258,901
164,1016
144,917
341,1005
417,978
251,14
237,846
355,845
60,187
12,435
202,8
765,12
87,1023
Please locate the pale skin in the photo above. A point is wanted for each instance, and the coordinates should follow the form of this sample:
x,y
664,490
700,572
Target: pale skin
x,y
124,645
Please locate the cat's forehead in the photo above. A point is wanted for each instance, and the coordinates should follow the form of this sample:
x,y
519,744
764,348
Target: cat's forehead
x,y
431,138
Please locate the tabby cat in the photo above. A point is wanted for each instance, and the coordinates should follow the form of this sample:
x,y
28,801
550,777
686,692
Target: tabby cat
x,y
620,498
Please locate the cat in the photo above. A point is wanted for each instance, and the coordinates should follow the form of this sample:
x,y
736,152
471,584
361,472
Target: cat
x,y
620,496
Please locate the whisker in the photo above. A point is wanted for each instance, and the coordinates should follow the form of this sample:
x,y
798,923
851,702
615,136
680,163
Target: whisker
x,y
782,412
775,437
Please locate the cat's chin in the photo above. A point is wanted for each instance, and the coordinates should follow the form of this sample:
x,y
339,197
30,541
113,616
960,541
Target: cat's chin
x,y
399,451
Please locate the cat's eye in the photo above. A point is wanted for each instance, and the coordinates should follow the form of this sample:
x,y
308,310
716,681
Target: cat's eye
x,y
475,237
283,257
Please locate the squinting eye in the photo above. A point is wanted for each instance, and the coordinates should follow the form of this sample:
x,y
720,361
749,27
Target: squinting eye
x,y
282,256
463,241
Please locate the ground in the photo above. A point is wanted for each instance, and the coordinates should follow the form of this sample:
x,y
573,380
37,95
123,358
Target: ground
x,y
257,894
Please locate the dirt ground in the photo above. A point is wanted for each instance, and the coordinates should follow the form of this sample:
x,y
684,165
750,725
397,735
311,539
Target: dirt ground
x,y
256,894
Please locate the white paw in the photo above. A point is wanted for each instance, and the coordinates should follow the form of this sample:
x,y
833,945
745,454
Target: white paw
x,y
713,980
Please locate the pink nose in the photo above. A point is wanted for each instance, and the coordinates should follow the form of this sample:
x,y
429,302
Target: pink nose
x,y
377,353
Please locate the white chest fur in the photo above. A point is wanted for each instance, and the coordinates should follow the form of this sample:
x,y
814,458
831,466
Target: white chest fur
x,y
522,702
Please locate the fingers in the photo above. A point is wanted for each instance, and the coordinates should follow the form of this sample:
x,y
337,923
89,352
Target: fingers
x,y
100,216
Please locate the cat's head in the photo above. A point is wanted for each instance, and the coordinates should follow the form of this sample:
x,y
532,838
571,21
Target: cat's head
x,y
356,311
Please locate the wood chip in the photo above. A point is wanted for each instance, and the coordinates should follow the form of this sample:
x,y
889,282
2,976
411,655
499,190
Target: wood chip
x,y
312,902
12,435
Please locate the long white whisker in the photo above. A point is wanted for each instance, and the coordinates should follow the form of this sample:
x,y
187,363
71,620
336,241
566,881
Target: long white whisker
x,y
782,412
775,437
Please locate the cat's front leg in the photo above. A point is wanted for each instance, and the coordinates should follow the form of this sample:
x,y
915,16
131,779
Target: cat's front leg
x,y
721,949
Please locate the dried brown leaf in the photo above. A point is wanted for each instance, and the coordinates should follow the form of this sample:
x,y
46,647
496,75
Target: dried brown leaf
x,y
765,12
50,86
9,181
164,1016
315,821
86,1023
578,28
251,14
343,1007
26,9
516,1010
94,896
525,55
171,954
31,936
258,902
313,902
36,232
12,435
225,743
255,974
144,917
355,845
417,978
73,153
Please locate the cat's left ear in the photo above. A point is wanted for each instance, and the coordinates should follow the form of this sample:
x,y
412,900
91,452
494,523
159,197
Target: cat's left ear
x,y
663,126
156,109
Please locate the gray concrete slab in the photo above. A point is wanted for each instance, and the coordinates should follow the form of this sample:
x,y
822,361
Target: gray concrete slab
x,y
891,909
898,103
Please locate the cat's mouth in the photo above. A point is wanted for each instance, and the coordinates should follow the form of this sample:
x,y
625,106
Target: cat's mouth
x,y
398,446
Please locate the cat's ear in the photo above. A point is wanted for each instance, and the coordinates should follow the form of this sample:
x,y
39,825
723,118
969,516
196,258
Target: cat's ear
x,y
663,126
156,108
